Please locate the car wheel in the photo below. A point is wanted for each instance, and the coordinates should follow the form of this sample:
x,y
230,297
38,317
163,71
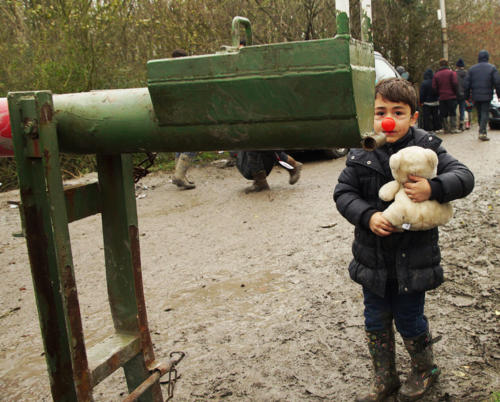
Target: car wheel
x,y
336,152
494,125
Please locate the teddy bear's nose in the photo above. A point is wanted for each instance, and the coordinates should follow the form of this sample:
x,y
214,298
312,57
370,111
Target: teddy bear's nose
x,y
388,124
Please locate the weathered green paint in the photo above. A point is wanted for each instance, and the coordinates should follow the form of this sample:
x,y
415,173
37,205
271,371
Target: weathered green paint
x,y
119,215
298,95
82,201
342,24
111,354
47,208
235,31
47,236
366,27
286,95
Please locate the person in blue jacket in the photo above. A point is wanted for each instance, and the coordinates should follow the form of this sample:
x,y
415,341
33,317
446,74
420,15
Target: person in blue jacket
x,y
480,82
396,268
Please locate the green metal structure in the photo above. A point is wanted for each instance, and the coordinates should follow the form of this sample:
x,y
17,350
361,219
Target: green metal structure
x,y
314,94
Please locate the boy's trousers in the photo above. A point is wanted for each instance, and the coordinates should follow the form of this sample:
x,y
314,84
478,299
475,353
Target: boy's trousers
x,y
407,310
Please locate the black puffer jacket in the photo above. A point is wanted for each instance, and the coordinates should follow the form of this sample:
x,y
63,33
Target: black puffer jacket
x,y
482,78
414,256
461,75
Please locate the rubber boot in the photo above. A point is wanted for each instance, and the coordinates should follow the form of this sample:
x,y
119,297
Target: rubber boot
x,y
383,353
295,172
453,125
424,372
259,182
181,167
446,125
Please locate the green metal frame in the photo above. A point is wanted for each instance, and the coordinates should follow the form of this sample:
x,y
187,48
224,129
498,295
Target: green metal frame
x,y
47,209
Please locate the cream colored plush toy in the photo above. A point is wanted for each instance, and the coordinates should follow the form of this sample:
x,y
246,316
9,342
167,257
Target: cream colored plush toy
x,y
403,212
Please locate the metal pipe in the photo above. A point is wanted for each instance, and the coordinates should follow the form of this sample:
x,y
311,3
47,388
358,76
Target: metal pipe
x,y
373,141
235,31
124,121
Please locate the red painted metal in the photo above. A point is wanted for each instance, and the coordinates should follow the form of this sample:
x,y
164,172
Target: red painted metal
x,y
6,146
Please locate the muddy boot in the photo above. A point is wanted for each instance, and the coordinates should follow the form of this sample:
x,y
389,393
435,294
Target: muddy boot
x,y
259,182
181,168
446,126
453,125
383,353
295,172
483,137
461,126
424,372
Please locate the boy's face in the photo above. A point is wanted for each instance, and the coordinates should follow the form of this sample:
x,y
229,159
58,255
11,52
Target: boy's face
x,y
399,111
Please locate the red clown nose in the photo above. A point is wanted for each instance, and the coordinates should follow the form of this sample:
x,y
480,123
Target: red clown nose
x,y
388,124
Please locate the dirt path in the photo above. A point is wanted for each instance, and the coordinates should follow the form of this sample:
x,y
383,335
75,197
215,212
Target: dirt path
x,y
254,288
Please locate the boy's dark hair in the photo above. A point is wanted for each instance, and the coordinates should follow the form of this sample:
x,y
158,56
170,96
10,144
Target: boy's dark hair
x,y
397,90
179,53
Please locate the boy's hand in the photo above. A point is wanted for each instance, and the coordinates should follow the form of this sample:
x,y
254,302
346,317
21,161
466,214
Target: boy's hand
x,y
417,189
381,226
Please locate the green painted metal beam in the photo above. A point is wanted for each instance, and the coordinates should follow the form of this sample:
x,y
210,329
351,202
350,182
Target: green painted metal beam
x,y
47,237
299,95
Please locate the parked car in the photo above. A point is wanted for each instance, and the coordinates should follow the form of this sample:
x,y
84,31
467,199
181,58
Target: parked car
x,y
383,69
495,112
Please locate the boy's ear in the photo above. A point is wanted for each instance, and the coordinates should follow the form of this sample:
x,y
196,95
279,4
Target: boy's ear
x,y
414,118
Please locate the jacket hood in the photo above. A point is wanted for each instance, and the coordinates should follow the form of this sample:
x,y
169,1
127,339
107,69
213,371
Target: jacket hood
x,y
483,56
428,74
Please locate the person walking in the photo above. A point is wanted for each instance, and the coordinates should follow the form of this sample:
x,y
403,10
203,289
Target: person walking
x,y
445,84
461,74
396,268
430,103
183,160
256,166
480,82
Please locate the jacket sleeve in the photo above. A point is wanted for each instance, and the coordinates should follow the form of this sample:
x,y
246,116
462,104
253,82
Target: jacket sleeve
x,y
467,86
496,76
347,197
422,93
454,180
454,82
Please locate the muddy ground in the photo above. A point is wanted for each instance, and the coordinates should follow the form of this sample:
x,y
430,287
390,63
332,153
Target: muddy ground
x,y
255,290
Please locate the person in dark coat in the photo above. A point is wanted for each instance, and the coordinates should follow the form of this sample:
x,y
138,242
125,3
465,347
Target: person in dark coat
x,y
445,84
480,82
396,268
430,103
256,166
461,74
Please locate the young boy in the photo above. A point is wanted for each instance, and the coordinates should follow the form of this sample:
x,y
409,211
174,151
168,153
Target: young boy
x,y
396,268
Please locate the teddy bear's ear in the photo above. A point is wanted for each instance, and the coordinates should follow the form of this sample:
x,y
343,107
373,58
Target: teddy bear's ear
x,y
394,161
432,159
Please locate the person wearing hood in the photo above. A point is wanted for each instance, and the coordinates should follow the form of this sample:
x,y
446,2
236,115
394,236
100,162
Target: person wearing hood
x,y
430,103
461,74
480,82
445,83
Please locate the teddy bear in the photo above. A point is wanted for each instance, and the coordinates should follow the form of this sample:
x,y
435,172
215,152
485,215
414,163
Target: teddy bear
x,y
403,213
